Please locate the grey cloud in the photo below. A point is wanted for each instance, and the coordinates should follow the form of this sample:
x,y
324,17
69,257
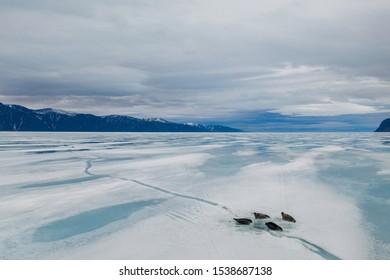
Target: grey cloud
x,y
205,58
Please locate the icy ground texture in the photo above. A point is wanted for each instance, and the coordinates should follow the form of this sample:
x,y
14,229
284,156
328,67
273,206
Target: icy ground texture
x,y
174,196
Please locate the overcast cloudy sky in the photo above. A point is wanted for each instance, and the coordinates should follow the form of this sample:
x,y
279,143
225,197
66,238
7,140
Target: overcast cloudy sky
x,y
197,59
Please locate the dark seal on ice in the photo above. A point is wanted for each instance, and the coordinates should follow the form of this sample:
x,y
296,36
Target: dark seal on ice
x,y
273,226
260,215
287,217
243,221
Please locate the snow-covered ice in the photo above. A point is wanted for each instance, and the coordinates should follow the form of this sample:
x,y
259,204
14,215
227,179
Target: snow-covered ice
x,y
174,195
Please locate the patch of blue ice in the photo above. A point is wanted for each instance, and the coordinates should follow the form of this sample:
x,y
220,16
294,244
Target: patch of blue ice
x,y
89,220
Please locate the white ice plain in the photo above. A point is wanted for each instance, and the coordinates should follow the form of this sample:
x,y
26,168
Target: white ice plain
x,y
173,196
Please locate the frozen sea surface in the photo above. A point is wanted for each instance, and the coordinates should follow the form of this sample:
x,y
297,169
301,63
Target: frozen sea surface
x,y
174,196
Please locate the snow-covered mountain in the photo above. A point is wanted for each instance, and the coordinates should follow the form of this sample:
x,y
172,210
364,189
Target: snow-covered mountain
x,y
19,118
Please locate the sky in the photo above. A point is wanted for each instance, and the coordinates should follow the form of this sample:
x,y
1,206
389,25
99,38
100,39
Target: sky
x,y
202,60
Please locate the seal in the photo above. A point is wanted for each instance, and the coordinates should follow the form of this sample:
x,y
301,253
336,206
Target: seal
x,y
260,215
243,221
273,226
288,218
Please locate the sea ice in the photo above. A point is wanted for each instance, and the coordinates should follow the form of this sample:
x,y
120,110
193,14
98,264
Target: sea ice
x,y
174,196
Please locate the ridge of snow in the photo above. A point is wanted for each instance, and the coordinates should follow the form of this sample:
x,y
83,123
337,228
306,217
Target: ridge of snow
x,y
58,111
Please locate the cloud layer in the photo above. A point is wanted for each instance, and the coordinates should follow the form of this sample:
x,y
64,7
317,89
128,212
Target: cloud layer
x,y
197,58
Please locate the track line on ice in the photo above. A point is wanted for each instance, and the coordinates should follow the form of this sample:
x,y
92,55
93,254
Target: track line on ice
x,y
190,176
287,190
199,184
174,193
309,245
89,166
179,216
317,249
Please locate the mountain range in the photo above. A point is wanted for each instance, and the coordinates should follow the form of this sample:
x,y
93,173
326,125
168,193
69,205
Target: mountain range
x,y
19,118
